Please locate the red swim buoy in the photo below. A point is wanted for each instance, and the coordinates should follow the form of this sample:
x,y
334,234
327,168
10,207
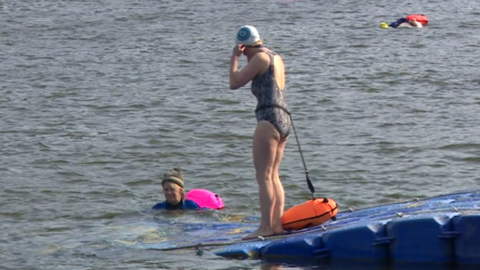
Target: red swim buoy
x,y
309,214
419,18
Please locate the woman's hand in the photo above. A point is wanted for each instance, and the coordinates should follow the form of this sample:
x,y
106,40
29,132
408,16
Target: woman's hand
x,y
238,50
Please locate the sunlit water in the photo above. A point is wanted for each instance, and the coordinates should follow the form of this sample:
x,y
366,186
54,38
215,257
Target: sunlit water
x,y
100,98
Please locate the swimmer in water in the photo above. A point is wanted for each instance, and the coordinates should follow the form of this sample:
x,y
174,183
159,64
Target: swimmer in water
x,y
173,189
402,23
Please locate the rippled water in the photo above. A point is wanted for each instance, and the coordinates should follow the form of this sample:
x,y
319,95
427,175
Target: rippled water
x,y
100,98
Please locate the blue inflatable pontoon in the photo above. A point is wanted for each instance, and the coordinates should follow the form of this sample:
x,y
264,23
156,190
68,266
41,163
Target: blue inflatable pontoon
x,y
443,230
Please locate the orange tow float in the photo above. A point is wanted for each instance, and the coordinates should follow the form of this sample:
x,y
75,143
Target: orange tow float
x,y
419,18
311,213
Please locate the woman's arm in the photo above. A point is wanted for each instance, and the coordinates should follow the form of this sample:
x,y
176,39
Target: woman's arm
x,y
248,72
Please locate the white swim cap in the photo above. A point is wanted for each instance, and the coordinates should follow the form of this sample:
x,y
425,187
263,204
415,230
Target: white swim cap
x,y
247,35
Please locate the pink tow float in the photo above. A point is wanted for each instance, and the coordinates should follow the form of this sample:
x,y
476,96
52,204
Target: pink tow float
x,y
205,199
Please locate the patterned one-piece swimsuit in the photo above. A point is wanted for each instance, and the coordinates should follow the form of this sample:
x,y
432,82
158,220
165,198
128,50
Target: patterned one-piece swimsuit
x,y
271,105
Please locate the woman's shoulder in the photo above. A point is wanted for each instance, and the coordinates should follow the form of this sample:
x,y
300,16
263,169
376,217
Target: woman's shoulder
x,y
266,52
267,56
184,205
189,204
160,205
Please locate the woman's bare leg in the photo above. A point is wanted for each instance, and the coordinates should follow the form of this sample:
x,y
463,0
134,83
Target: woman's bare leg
x,y
279,204
265,144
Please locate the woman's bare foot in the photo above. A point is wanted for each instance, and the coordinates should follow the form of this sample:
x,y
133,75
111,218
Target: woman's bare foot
x,y
258,232
261,233
278,230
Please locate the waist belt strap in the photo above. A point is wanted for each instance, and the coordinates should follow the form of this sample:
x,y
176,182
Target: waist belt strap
x,y
273,106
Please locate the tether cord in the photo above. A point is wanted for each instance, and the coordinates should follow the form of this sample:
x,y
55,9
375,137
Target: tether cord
x,y
309,183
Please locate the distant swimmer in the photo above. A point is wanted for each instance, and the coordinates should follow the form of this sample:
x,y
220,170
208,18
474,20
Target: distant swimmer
x,y
411,21
405,23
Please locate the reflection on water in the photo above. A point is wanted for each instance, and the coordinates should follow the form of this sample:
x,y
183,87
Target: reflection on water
x,y
99,98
